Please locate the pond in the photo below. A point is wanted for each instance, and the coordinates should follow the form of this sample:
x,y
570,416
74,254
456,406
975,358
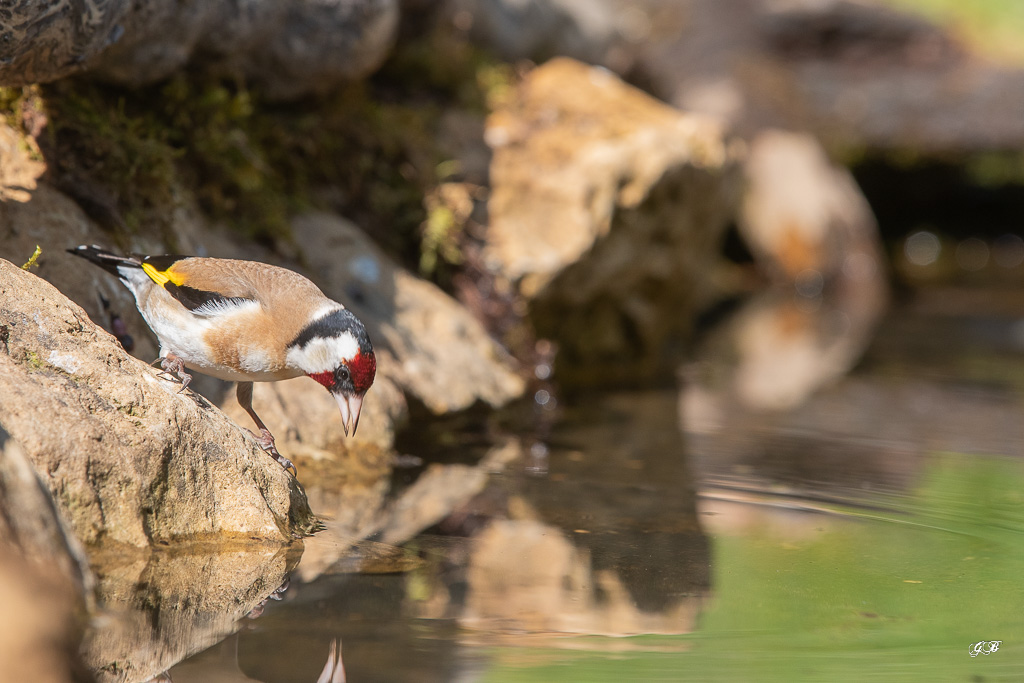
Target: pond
x,y
876,533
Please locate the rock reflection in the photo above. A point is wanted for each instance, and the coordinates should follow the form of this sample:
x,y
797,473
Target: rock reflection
x,y
815,237
162,608
608,543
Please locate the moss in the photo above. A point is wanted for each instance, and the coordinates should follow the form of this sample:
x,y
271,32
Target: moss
x,y
37,363
33,260
131,410
118,164
369,150
249,163
22,110
439,239
449,210
34,361
996,169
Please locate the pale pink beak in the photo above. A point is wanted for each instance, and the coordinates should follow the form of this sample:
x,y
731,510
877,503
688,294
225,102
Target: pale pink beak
x,y
350,407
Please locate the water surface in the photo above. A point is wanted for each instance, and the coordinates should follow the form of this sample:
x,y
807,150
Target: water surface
x,y
874,534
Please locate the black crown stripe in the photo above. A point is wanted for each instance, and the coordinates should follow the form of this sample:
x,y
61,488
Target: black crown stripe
x,y
334,324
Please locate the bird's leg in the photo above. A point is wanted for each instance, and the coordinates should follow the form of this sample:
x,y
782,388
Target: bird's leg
x,y
265,439
172,366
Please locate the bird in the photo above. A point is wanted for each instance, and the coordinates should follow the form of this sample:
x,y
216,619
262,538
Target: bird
x,y
246,321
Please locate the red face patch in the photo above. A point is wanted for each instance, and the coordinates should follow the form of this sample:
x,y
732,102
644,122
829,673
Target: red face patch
x,y
363,368
325,378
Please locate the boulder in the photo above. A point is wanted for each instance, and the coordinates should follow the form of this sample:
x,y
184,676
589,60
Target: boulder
x,y
127,458
597,32
41,628
428,346
803,213
31,527
606,211
813,232
45,582
856,74
293,48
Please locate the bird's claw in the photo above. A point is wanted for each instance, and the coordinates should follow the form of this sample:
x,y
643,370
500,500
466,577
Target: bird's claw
x,y
173,368
266,441
286,464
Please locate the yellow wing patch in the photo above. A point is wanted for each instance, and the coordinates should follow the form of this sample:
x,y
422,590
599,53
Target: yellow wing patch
x,y
162,277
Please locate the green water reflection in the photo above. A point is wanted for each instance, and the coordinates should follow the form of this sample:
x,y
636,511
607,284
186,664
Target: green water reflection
x,y
851,596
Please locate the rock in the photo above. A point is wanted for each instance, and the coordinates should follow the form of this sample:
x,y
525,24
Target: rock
x,y
45,582
293,48
18,170
812,230
54,222
40,632
855,74
428,346
31,525
127,458
320,43
802,213
40,43
606,209
594,31
869,76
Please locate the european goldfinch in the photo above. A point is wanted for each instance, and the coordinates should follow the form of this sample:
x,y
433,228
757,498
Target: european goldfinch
x,y
246,322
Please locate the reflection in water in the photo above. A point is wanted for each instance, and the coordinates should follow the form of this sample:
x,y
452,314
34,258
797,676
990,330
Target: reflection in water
x,y
608,542
844,548
334,669
811,582
166,606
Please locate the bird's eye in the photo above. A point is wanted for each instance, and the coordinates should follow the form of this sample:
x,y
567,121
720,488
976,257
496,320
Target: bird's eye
x,y
343,374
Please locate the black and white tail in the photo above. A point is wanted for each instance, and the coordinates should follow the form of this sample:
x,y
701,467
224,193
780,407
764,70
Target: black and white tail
x,y
121,266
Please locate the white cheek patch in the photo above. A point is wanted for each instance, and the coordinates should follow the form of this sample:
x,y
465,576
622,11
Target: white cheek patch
x,y
323,354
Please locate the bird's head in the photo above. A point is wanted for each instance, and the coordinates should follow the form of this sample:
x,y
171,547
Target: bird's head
x,y
335,351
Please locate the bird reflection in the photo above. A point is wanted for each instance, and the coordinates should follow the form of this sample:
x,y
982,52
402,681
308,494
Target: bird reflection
x,y
222,664
334,669
257,611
